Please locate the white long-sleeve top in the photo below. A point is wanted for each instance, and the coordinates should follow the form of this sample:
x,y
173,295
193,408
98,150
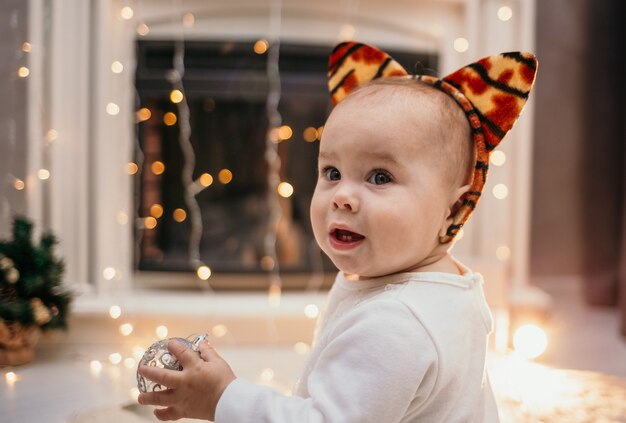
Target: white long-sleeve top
x,y
408,347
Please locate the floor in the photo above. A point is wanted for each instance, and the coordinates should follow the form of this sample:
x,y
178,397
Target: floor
x,y
62,385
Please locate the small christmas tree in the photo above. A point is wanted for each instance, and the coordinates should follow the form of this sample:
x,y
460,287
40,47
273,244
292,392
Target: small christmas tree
x,y
30,281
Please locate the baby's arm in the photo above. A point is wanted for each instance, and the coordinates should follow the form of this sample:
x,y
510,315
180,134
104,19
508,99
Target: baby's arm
x,y
194,391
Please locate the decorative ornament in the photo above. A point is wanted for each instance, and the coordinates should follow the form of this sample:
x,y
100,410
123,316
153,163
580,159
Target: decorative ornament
x,y
40,311
158,355
492,93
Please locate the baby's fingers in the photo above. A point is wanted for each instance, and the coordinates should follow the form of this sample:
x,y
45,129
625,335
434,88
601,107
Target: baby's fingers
x,y
169,413
164,398
164,377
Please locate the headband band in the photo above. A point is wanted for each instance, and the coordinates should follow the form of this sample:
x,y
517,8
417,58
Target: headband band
x,y
492,93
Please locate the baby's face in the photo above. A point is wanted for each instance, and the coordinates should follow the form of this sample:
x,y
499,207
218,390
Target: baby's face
x,y
379,203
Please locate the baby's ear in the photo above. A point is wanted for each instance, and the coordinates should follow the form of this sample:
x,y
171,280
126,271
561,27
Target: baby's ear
x,y
454,204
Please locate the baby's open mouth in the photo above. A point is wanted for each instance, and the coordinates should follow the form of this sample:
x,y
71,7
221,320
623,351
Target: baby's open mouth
x,y
342,235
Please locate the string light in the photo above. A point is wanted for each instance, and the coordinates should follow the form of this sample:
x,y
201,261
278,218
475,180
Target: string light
x,y
503,253
169,119
96,367
497,158
301,348
115,311
219,331
115,358
206,180
19,184
122,218
52,135
129,362
127,13
505,13
143,114
112,109
26,47
267,375
161,332
347,32
150,222
23,72
43,174
179,215
143,29
132,168
10,378
311,311
203,272
188,20
138,352
109,273
157,167
225,176
156,210
310,134
530,341
285,189
117,67
126,329
461,45
500,191
176,96
285,132
261,46
267,263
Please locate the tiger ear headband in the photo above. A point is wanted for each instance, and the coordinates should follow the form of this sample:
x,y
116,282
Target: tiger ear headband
x,y
492,92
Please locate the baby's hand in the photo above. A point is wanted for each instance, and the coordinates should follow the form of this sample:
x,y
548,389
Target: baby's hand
x,y
192,392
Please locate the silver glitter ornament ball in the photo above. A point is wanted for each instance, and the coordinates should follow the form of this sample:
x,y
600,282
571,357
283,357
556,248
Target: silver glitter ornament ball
x,y
159,356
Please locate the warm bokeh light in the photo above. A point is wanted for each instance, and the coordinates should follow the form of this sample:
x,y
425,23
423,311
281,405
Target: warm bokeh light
x,y
122,218
158,167
320,131
267,263
19,184
503,253
179,215
497,158
143,29
505,13
150,222
285,189
161,332
225,176
10,377
126,329
138,352
206,180
461,45
108,273
203,272
43,174
285,132
261,46
23,72
267,375
500,191
311,311
129,362
530,341
347,32
127,13
26,47
115,311
219,331
176,96
115,358
117,67
188,20
301,348
310,134
156,211
132,168
169,119
143,114
113,109
96,367
52,135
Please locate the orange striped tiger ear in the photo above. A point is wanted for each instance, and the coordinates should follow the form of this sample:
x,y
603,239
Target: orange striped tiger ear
x,y
354,64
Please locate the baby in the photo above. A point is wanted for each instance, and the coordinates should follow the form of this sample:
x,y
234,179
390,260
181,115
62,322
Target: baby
x,y
404,334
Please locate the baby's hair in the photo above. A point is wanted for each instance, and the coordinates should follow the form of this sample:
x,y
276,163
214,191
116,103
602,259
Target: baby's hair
x,y
453,131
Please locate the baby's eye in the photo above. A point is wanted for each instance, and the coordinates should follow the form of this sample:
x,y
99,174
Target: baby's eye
x,y
379,177
331,173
